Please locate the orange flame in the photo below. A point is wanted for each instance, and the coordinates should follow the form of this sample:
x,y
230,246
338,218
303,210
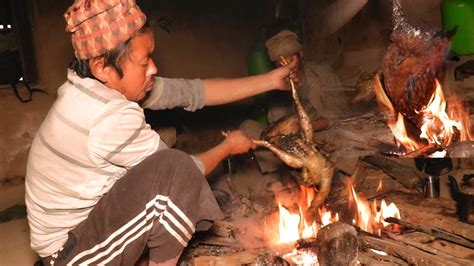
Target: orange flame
x,y
400,133
379,186
370,218
439,127
294,226
289,226
382,97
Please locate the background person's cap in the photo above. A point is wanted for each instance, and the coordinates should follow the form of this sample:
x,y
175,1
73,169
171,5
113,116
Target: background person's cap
x,y
284,43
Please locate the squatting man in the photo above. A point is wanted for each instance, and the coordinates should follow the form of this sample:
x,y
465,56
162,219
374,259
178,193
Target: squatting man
x,y
101,185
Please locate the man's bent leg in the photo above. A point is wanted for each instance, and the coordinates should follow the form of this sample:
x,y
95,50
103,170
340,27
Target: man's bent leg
x,y
158,203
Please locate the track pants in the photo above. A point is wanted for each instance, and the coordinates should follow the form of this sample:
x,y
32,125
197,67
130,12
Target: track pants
x,y
158,204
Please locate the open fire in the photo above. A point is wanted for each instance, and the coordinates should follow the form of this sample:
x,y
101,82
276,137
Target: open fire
x,y
294,225
441,125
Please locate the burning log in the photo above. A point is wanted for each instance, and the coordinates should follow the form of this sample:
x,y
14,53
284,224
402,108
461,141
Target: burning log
x,y
423,151
337,245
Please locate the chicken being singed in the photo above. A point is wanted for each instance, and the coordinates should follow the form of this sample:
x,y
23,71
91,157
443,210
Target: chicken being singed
x,y
291,139
413,62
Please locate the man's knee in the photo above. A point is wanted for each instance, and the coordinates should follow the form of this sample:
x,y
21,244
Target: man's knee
x,y
175,162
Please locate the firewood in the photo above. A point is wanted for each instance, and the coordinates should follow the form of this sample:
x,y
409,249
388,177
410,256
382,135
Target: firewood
x,y
408,253
436,232
222,228
426,248
218,241
337,245
405,175
238,258
220,234
424,151
438,212
370,258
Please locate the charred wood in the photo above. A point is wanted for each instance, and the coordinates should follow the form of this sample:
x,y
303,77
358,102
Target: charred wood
x,y
337,245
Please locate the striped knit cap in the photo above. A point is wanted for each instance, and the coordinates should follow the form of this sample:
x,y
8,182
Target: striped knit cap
x,y
98,26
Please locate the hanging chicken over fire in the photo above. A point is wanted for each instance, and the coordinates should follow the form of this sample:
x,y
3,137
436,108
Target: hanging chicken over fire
x,y
408,86
413,62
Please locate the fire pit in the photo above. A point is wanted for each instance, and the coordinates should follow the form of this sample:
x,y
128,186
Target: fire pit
x,y
361,219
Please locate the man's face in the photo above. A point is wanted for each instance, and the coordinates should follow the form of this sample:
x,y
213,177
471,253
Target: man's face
x,y
138,69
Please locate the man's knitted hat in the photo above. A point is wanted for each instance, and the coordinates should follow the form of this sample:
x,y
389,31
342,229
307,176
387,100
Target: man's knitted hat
x,y
284,43
98,26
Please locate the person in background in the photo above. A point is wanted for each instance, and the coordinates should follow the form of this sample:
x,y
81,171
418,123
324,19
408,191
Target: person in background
x,y
285,44
101,185
314,77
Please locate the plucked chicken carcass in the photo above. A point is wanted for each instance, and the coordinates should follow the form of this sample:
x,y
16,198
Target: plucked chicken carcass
x,y
291,139
413,61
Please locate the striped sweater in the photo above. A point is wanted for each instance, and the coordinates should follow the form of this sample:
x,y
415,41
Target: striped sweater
x,y
91,136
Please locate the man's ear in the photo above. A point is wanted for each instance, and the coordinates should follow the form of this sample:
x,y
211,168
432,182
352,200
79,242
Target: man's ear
x,y
98,69
301,53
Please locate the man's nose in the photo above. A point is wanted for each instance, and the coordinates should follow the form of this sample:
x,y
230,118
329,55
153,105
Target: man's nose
x,y
152,69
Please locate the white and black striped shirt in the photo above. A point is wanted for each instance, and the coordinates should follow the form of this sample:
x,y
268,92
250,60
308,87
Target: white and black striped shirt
x,y
91,136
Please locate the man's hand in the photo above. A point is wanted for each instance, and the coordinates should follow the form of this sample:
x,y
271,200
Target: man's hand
x,y
282,75
238,142
235,142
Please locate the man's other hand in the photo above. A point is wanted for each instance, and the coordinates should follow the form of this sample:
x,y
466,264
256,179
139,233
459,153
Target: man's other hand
x,y
238,142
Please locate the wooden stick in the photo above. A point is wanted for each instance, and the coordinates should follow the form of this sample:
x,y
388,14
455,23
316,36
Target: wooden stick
x,y
425,248
436,232
223,229
238,258
369,257
423,151
411,255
